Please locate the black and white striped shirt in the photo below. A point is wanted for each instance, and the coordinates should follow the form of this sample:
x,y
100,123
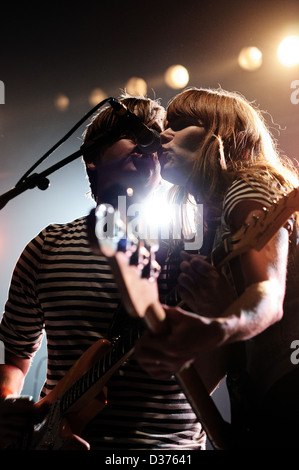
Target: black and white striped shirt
x,y
252,190
59,286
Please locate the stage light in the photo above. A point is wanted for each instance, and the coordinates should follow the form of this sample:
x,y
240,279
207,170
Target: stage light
x,y
176,76
156,216
96,96
61,102
288,51
250,58
136,86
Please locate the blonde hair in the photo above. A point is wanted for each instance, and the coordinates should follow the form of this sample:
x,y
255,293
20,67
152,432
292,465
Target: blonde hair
x,y
238,143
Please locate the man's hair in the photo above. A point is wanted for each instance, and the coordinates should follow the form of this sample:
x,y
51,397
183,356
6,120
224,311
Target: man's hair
x,y
108,123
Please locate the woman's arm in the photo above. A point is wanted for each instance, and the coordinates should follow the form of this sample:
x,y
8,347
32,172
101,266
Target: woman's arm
x,y
261,305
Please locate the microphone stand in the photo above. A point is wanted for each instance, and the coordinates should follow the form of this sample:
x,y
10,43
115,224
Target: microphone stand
x,y
38,180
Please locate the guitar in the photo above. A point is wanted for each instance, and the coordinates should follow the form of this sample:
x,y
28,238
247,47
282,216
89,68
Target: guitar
x,y
141,299
82,393
78,397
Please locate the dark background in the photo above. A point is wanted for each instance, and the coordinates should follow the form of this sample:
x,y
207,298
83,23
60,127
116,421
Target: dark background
x,y
49,48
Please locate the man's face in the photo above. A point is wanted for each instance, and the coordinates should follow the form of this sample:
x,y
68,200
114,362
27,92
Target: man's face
x,y
121,164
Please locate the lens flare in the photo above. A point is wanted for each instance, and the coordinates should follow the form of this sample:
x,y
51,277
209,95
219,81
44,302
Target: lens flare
x,y
288,51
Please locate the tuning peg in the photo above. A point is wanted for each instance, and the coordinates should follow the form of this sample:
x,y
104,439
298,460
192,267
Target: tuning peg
x,y
246,225
265,211
134,256
255,218
275,204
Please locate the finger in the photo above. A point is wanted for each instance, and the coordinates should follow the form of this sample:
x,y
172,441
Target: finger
x,y
148,350
186,267
186,281
188,298
23,410
201,266
158,365
164,365
173,312
185,256
17,405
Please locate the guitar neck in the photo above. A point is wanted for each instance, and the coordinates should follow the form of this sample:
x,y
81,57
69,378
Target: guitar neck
x,y
218,430
101,371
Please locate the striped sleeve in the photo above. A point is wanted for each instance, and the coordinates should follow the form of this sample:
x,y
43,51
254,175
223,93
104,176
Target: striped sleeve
x,y
250,190
21,328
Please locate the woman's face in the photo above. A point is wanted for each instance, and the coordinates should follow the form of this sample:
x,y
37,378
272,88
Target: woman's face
x,y
181,142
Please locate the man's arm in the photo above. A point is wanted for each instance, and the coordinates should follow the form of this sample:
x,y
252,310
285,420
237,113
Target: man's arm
x,y
12,375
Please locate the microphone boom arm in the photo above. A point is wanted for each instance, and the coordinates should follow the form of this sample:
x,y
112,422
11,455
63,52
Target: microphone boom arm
x,y
149,141
39,180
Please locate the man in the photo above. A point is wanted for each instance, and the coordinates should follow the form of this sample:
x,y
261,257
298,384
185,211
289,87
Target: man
x,y
61,286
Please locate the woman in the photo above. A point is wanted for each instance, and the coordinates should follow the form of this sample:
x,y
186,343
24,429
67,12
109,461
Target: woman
x,y
219,149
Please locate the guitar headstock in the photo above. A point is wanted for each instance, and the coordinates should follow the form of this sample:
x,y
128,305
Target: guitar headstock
x,y
133,264
261,228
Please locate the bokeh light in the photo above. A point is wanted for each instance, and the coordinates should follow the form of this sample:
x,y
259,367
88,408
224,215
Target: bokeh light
x,y
176,76
250,58
288,51
96,96
136,86
61,102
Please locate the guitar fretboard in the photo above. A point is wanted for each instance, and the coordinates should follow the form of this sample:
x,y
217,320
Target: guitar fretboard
x,y
120,347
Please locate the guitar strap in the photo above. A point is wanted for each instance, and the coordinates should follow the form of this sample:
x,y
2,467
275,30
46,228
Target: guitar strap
x,y
237,379
122,323
212,227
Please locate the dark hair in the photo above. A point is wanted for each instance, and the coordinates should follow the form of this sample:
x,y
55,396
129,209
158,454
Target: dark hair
x,y
107,121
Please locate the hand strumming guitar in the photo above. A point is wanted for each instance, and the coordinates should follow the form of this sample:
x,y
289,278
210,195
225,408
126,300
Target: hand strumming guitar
x,y
203,288
17,414
188,335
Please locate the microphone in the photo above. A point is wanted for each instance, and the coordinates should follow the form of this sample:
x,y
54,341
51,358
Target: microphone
x,y
148,140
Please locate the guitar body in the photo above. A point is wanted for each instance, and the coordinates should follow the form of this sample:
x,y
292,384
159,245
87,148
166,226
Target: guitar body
x,y
61,431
